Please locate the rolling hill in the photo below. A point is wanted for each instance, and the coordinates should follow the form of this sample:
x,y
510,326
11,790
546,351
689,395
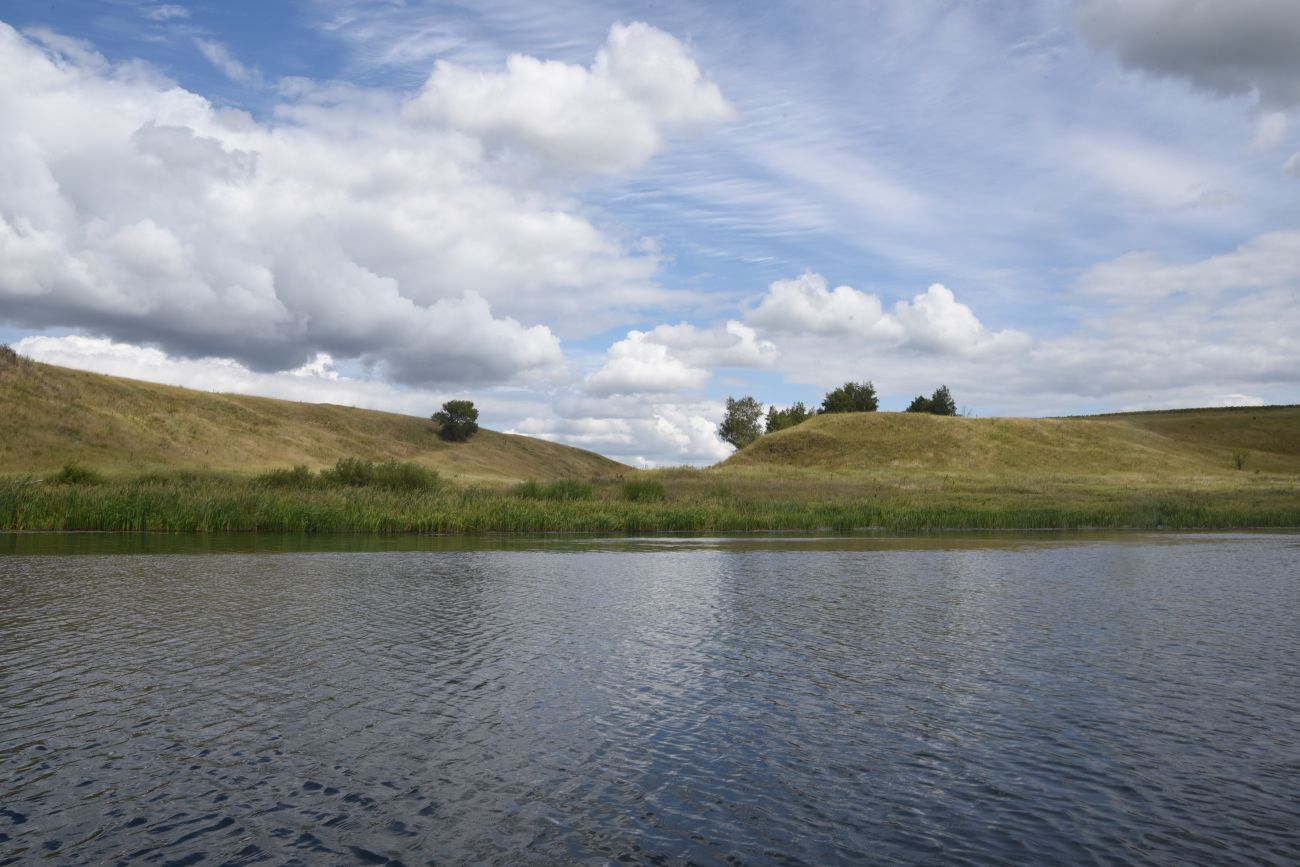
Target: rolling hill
x,y
1179,443
52,415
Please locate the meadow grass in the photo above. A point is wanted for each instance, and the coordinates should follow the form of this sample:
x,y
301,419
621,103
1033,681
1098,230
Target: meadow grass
x,y
673,500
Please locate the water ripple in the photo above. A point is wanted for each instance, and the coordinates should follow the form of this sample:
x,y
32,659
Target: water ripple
x,y
1110,702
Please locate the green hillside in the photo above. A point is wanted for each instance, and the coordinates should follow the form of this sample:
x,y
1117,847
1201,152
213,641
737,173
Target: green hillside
x,y
53,415
1176,444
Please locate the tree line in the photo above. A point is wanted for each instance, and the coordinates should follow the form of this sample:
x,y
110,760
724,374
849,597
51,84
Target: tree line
x,y
744,421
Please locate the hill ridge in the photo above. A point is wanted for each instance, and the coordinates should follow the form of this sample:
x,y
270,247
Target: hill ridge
x,y
56,414
1190,442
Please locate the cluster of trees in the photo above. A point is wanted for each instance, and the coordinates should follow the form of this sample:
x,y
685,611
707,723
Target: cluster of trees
x,y
744,423
939,403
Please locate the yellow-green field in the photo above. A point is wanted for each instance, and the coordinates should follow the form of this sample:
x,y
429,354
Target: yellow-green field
x,y
171,459
53,415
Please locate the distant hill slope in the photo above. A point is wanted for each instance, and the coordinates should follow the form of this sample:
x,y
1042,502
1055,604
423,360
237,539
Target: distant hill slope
x,y
50,415
1182,443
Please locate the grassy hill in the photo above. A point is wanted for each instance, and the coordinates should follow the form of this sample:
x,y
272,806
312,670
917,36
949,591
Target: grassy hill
x,y
1211,468
53,415
1182,443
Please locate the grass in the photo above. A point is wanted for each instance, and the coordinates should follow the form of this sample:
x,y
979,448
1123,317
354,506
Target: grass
x,y
54,415
675,500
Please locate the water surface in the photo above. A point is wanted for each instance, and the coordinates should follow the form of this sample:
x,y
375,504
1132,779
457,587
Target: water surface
x,y
947,699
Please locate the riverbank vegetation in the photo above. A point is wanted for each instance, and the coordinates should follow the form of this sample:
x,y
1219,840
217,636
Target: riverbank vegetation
x,y
81,451
671,500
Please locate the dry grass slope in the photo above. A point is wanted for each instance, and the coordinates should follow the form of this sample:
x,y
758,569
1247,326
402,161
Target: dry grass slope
x,y
1173,444
53,415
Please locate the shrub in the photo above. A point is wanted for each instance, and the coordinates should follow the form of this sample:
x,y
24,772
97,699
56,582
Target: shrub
x,y
403,476
560,489
391,474
643,490
74,473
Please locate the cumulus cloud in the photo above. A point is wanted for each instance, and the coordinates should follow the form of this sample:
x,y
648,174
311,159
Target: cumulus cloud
x,y
671,358
138,211
1270,261
605,118
932,322
637,365
634,429
805,305
1224,48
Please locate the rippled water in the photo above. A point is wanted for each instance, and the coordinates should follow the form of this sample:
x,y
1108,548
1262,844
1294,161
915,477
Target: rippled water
x,y
1078,700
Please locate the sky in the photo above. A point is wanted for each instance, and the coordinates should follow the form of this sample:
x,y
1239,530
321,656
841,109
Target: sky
x,y
599,220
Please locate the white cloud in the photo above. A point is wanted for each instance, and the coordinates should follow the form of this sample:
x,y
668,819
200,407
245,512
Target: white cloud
x,y
165,12
136,210
636,430
218,54
678,357
636,365
935,321
932,322
1238,400
316,381
1148,174
805,305
1271,260
606,118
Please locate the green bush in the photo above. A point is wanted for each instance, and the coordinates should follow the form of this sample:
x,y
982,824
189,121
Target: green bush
x,y
643,490
74,473
392,475
560,489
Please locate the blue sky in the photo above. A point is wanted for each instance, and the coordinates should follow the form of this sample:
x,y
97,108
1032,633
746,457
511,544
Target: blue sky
x,y
597,220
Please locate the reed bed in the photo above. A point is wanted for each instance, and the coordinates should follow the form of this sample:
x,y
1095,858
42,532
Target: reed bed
x,y
387,499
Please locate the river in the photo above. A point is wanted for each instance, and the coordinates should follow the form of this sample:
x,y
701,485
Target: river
x,y
948,699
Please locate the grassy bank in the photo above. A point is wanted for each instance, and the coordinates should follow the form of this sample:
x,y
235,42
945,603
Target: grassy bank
x,y
663,501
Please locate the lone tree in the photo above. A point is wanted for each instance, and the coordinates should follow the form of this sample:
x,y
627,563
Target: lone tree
x,y
458,420
780,419
851,397
939,403
740,425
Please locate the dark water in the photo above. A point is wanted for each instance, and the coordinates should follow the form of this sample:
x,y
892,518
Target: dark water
x,y
1041,700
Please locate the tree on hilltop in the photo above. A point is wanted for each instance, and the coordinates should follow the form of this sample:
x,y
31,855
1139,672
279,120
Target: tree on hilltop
x,y
740,425
780,419
939,403
851,397
458,420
